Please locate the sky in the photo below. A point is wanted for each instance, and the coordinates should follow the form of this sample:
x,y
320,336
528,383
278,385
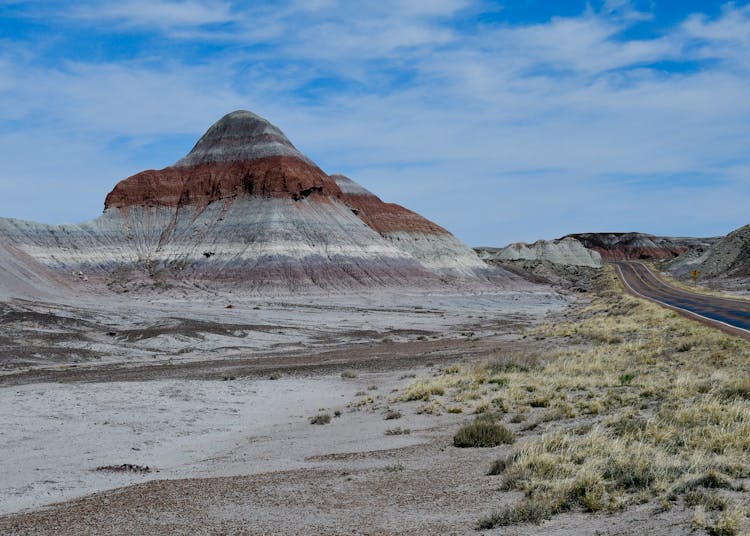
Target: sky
x,y
502,121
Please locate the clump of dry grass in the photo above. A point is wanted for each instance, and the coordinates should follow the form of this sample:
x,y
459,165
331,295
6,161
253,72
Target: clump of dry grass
x,y
730,522
422,390
392,414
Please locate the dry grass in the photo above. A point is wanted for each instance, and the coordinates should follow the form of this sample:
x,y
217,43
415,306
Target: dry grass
x,y
637,404
422,391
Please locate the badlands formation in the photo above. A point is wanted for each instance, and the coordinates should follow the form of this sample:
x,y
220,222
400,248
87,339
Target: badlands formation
x,y
244,344
722,263
243,210
566,251
632,246
193,329
725,257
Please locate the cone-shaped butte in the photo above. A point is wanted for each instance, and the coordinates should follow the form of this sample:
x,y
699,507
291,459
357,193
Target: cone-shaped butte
x,y
246,210
241,154
239,136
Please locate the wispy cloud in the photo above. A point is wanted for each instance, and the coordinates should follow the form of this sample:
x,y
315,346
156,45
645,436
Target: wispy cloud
x,y
726,38
164,14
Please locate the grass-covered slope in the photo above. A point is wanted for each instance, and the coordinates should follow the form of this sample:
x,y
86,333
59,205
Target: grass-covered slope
x,y
628,403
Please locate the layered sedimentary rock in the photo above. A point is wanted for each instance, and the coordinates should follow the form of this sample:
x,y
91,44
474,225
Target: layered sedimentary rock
x,y
247,210
23,275
728,256
242,154
566,251
430,244
630,246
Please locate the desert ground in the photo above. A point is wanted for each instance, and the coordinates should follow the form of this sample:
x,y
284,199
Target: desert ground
x,y
606,415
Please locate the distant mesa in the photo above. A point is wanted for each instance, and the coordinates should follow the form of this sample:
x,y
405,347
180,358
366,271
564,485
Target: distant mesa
x,y
631,246
594,249
271,220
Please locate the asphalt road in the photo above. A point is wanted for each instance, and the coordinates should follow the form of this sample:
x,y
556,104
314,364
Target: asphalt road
x,y
732,316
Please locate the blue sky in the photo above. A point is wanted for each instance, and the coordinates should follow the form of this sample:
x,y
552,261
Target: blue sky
x,y
502,121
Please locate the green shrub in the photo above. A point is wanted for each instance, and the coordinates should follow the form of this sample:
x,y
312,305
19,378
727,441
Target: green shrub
x,y
527,511
320,418
483,432
398,431
626,379
498,380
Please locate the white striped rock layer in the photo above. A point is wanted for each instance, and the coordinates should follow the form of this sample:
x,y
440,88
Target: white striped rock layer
x,y
566,251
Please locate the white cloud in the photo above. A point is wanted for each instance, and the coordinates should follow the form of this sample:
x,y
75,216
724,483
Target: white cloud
x,y
156,13
726,38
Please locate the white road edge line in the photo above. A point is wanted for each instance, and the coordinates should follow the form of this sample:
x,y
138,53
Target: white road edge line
x,y
669,306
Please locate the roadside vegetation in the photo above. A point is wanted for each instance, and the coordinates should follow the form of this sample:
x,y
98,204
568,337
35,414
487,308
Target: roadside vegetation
x,y
627,403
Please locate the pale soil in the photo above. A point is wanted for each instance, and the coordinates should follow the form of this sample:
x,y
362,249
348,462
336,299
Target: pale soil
x,y
40,340
240,456
428,489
